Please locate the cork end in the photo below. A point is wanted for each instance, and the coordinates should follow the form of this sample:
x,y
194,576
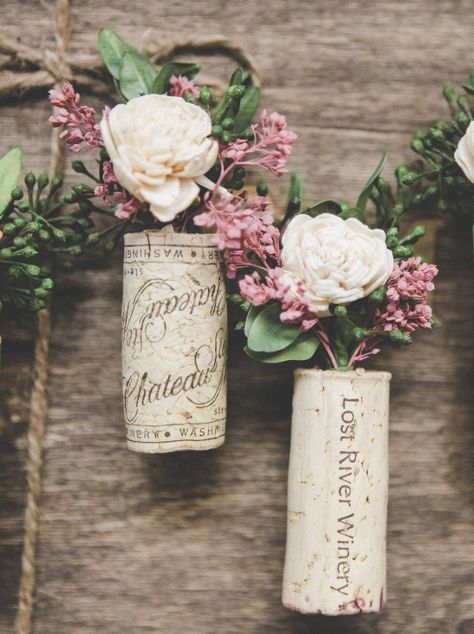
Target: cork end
x,y
156,448
167,236
340,612
358,373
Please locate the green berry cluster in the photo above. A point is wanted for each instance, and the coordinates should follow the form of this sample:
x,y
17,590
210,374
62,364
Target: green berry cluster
x,y
401,247
434,178
349,326
232,115
36,236
86,210
231,118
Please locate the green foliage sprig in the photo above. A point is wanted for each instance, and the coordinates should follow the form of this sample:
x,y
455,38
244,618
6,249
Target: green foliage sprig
x,y
389,208
36,236
435,178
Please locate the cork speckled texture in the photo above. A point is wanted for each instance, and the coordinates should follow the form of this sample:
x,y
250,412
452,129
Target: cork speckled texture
x,y
335,558
194,541
174,342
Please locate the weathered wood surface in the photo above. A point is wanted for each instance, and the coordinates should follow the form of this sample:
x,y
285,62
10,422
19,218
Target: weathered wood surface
x,y
195,542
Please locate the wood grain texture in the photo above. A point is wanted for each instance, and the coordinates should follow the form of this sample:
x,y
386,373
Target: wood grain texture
x,y
195,542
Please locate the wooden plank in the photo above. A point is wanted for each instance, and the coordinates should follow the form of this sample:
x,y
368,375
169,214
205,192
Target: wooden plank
x,y
15,383
196,541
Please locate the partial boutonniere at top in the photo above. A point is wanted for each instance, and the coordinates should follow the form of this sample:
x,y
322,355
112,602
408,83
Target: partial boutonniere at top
x,y
36,238
444,171
168,159
327,287
24,284
442,176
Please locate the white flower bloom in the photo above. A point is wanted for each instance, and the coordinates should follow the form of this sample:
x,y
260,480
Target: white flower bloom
x,y
159,147
464,154
339,261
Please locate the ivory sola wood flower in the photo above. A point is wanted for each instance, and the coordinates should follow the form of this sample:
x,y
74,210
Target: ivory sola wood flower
x,y
159,147
339,261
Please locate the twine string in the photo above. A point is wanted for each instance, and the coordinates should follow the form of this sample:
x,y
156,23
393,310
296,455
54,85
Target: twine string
x,y
25,69
36,433
39,399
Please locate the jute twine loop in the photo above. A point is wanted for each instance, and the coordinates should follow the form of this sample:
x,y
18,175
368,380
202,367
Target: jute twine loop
x,y
25,69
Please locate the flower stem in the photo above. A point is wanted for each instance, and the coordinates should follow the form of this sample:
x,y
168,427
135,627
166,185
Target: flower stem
x,y
324,339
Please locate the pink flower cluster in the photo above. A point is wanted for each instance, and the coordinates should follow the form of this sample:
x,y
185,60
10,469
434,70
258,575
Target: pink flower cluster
x,y
128,209
82,132
406,307
244,232
275,287
246,235
113,194
270,148
181,86
107,189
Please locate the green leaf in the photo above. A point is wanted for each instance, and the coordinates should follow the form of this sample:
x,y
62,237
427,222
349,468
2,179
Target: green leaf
x,y
268,333
239,77
323,207
296,187
293,206
303,348
352,212
340,353
344,331
117,89
365,193
137,75
162,81
10,166
248,108
469,88
251,315
133,73
113,48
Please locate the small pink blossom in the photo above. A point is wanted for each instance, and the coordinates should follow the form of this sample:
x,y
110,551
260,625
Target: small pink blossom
x,y
82,132
411,279
294,302
127,210
109,189
244,231
255,291
113,194
275,287
236,151
405,307
181,86
271,146
275,132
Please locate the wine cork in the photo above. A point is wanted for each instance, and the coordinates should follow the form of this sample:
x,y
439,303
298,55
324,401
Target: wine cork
x,y
174,342
337,493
